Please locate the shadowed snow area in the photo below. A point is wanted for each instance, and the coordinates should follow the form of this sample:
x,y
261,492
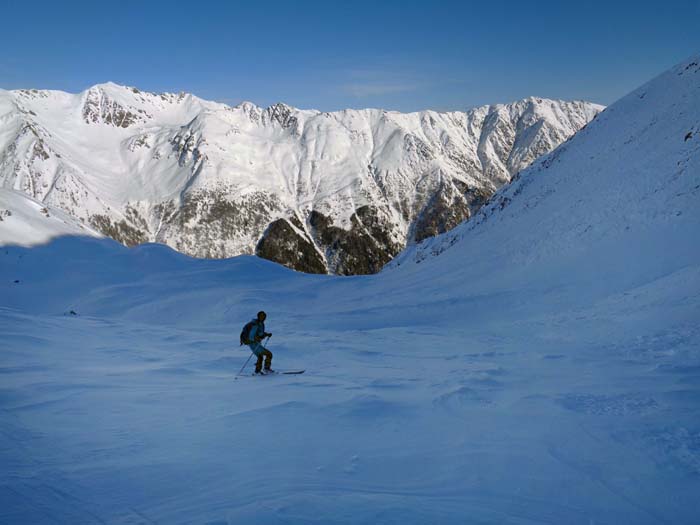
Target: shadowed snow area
x,y
539,364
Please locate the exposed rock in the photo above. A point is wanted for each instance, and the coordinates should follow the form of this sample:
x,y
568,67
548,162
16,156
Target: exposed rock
x,y
283,244
120,231
99,108
451,204
208,224
282,114
40,151
363,249
445,210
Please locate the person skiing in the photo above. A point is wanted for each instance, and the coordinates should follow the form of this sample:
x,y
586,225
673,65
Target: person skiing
x,y
256,333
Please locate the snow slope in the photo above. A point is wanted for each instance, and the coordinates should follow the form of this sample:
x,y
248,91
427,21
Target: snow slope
x,y
554,379
209,180
26,222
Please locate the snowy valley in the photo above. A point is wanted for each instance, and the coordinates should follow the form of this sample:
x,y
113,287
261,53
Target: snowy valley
x,y
555,378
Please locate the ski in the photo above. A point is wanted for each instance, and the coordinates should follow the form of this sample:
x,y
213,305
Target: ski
x,y
283,372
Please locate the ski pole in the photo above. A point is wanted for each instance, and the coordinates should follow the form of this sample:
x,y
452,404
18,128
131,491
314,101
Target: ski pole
x,y
246,364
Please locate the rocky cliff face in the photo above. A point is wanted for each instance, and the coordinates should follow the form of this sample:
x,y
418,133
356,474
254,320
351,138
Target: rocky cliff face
x,y
339,192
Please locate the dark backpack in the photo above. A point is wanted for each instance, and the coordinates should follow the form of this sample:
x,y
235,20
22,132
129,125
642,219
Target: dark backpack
x,y
246,331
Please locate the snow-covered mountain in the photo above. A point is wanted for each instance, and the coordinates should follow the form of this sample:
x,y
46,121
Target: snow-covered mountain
x,y
552,380
342,192
643,153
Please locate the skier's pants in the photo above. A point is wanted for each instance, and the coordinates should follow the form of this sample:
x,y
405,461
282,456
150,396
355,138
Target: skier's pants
x,y
261,352
268,360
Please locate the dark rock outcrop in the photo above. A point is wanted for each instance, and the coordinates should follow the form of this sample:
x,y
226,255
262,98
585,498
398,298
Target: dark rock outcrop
x,y
121,231
451,204
363,249
284,244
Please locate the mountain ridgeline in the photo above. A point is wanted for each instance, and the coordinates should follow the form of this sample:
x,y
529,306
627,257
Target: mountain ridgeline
x,y
323,192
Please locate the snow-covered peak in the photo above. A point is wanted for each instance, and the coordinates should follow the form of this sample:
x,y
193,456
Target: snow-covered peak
x,y
101,107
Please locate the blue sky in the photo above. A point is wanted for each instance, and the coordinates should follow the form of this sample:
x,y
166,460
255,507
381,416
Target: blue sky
x,y
331,55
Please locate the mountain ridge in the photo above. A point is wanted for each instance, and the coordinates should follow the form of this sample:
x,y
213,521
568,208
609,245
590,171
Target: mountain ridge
x,y
647,156
347,190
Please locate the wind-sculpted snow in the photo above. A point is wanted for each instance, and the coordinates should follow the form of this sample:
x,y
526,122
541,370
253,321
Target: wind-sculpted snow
x,y
208,179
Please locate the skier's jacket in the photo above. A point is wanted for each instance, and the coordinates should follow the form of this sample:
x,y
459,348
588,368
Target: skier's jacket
x,y
257,328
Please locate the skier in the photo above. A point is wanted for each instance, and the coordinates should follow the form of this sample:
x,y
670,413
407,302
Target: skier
x,y
255,334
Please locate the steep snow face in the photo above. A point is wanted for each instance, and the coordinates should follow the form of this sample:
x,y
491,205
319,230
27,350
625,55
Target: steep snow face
x,y
552,379
26,222
626,186
342,191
